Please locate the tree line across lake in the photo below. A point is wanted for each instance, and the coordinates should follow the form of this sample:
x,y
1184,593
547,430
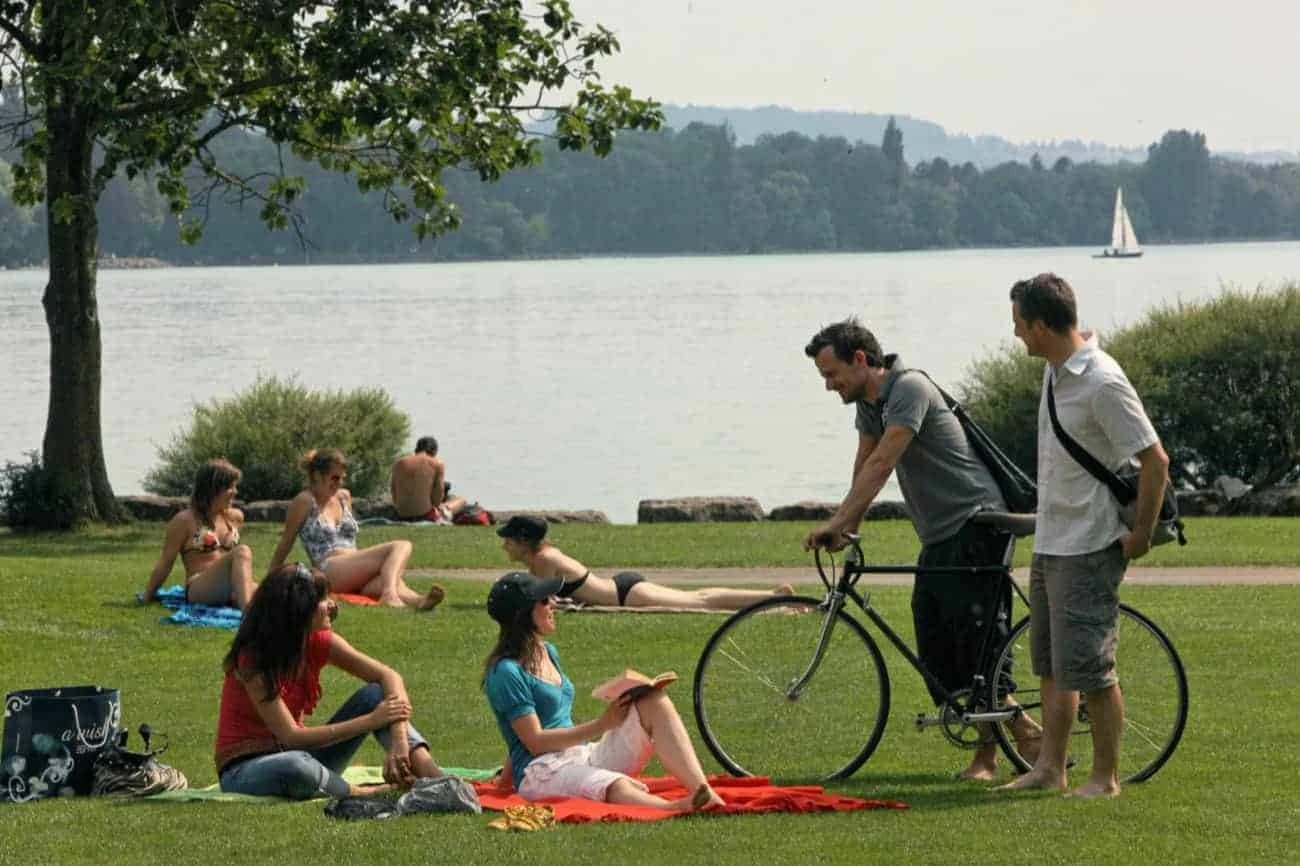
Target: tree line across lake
x,y
695,190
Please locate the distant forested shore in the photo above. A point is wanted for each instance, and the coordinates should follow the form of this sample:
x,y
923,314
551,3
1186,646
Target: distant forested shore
x,y
695,190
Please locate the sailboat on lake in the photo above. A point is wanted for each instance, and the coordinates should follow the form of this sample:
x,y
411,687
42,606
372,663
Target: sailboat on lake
x,y
1123,240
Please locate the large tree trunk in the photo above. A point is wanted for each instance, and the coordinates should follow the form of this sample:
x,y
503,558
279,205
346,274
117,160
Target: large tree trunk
x,y
73,452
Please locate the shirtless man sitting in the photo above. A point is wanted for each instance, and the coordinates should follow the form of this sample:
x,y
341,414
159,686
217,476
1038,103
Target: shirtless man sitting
x,y
419,485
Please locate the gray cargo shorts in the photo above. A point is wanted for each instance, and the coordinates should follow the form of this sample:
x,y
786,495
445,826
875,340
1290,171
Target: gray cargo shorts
x,y
1074,616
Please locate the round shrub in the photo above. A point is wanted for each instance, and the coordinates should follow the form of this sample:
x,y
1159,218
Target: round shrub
x,y
265,429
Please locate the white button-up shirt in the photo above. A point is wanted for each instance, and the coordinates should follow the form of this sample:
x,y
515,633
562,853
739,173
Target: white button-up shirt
x,y
1098,407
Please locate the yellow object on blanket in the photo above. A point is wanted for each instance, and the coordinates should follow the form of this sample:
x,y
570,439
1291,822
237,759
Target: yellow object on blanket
x,y
525,819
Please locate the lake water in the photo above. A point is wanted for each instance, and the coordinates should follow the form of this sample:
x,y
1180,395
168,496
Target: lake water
x,y
588,383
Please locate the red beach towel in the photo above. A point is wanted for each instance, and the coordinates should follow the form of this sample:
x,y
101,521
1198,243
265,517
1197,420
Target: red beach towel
x,y
354,598
751,795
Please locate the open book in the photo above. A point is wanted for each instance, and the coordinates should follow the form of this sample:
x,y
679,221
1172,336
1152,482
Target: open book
x,y
633,682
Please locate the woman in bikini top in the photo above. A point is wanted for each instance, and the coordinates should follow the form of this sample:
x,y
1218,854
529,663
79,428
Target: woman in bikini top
x,y
321,518
218,568
524,541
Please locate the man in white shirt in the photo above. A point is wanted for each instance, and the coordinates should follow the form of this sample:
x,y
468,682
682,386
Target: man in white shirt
x,y
1081,547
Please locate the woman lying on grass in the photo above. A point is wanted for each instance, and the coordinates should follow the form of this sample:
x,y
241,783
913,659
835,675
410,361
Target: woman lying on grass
x,y
218,569
532,700
525,543
273,680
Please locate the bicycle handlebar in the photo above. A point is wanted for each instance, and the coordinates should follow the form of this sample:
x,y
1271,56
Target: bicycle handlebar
x,y
855,556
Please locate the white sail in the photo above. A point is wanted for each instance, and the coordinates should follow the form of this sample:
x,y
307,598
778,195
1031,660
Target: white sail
x,y
1117,223
1122,237
1130,236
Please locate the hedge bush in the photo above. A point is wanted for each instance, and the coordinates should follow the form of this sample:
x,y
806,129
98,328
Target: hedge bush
x,y
27,498
266,429
1221,382
1219,379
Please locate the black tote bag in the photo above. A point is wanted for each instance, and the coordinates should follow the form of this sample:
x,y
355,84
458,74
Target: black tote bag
x,y
51,740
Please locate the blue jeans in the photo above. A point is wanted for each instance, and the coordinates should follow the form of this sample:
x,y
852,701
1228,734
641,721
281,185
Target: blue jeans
x,y
302,775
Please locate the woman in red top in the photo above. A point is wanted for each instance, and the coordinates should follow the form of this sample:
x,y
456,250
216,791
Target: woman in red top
x,y
273,680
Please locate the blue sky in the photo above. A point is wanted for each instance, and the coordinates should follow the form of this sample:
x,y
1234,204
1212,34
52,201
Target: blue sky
x,y
1118,72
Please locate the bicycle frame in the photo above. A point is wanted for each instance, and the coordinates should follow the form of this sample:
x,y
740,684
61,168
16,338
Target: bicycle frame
x,y
845,587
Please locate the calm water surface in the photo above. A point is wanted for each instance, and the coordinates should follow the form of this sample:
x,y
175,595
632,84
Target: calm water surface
x,y
589,383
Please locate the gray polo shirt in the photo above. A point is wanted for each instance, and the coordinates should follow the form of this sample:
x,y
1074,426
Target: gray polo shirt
x,y
1098,407
943,480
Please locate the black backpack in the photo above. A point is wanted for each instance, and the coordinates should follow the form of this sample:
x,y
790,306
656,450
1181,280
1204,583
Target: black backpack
x,y
1018,489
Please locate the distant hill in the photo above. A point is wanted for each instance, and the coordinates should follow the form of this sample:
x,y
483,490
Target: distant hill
x,y
922,140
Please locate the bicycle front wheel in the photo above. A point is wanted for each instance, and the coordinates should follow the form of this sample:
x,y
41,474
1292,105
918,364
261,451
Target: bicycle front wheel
x,y
1151,679
769,703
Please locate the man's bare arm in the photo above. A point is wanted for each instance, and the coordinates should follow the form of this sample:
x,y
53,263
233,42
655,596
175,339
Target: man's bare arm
x,y
877,463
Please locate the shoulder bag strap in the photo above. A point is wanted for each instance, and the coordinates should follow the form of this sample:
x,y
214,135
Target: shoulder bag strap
x,y
1122,491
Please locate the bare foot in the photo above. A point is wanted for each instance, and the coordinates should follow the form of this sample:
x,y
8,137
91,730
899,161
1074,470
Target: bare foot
x,y
978,771
433,597
1029,738
1092,789
1036,780
394,601
784,589
705,799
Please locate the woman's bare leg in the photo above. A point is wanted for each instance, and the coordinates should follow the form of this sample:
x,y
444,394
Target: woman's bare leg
x,y
648,594
423,765
632,793
228,581
673,747
376,571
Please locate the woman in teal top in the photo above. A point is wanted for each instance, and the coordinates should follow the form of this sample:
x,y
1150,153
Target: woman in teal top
x,y
532,700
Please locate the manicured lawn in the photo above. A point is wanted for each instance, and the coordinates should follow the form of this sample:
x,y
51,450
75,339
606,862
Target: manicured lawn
x,y
1227,796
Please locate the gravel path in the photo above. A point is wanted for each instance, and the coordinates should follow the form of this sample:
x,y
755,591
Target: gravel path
x,y
772,577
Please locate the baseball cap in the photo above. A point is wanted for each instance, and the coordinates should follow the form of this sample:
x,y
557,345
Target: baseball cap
x,y
518,591
524,527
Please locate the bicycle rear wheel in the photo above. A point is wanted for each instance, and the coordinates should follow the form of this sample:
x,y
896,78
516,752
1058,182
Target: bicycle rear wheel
x,y
1151,679
768,705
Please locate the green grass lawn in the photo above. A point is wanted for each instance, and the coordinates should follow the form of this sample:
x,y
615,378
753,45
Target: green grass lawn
x,y
1227,796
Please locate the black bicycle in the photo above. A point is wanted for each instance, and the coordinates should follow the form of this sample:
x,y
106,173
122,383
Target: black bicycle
x,y
795,688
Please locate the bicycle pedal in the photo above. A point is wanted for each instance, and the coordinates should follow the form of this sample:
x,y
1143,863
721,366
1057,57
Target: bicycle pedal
x,y
923,721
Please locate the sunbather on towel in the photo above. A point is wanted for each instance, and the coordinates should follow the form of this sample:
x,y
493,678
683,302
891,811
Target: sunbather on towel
x,y
321,517
218,569
273,680
532,700
524,541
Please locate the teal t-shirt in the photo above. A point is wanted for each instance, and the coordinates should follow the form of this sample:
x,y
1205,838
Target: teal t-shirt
x,y
514,692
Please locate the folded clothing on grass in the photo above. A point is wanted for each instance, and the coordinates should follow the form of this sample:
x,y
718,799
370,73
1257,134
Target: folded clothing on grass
x,y
752,795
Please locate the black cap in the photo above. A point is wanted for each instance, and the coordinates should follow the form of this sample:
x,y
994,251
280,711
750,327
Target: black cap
x,y
518,591
524,527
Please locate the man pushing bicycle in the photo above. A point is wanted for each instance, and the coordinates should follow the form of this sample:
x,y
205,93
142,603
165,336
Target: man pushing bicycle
x,y
905,425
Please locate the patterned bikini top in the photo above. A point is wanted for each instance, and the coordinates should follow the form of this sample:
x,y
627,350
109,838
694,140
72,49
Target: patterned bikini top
x,y
206,540
320,539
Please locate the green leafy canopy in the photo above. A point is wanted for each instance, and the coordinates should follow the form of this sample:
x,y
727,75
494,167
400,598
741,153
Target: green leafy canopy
x,y
393,93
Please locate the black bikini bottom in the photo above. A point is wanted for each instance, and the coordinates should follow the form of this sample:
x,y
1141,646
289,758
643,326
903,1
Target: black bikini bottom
x,y
623,583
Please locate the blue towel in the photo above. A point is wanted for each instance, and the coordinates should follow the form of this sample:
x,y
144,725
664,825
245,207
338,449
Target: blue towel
x,y
197,614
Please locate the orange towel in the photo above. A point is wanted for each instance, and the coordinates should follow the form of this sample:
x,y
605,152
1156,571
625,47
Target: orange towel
x,y
747,796
354,598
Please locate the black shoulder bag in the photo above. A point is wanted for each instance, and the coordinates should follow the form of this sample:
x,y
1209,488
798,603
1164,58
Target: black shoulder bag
x,y
1017,488
1169,526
